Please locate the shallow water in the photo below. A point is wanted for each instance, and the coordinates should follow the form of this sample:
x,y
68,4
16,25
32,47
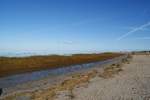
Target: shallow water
x,y
31,76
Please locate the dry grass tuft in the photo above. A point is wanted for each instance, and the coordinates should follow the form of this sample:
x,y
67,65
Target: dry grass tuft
x,y
111,71
114,68
128,59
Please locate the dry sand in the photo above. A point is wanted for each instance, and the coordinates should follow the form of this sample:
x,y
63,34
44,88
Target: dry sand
x,y
133,83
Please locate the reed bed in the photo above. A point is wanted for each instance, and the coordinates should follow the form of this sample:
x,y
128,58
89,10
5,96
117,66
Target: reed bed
x,y
15,65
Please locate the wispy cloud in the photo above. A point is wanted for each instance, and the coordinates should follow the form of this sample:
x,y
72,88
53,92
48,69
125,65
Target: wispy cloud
x,y
134,30
131,28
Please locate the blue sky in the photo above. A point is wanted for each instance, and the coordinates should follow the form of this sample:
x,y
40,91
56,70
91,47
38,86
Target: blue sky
x,y
74,26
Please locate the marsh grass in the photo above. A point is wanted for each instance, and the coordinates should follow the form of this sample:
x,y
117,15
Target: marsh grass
x,y
13,65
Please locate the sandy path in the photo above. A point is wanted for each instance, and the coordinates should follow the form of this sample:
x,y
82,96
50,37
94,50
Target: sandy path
x,y
133,83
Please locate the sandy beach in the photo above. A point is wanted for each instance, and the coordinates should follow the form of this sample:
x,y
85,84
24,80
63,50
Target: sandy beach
x,y
128,80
